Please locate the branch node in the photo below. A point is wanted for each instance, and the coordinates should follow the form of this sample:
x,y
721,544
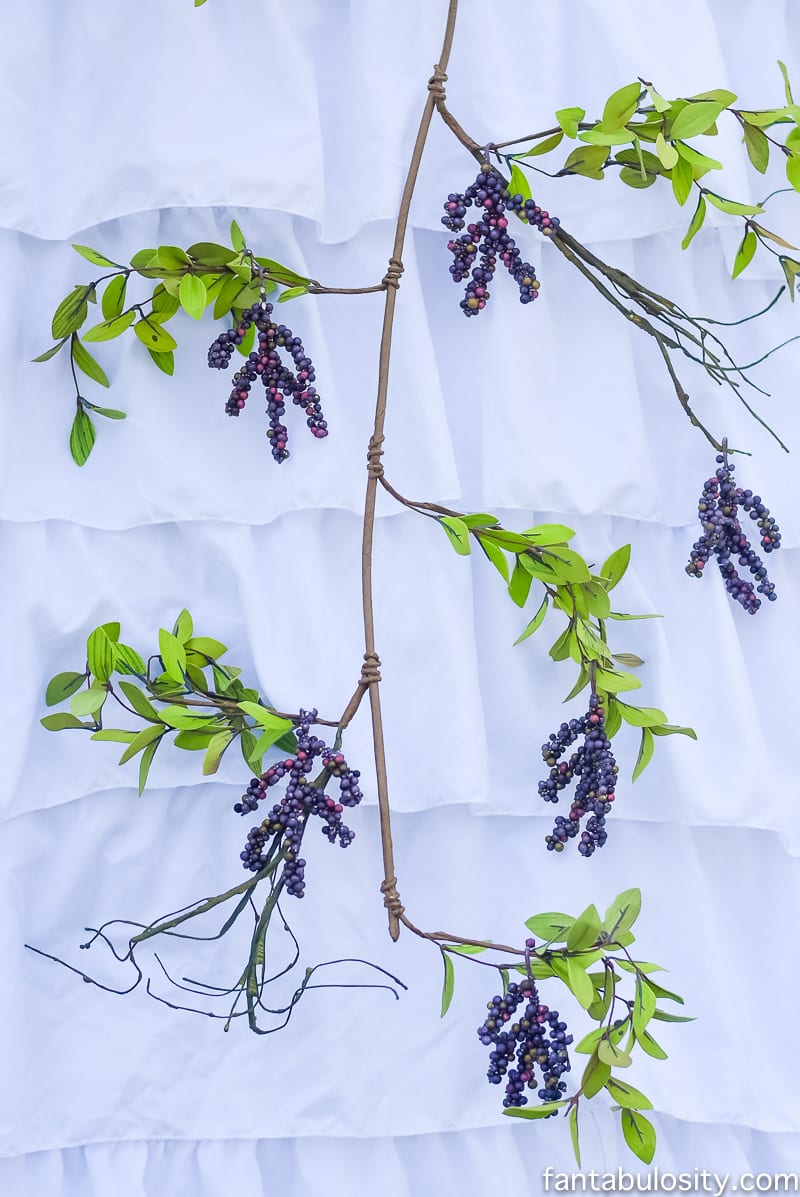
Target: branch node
x,y
370,670
374,455
392,276
436,84
391,898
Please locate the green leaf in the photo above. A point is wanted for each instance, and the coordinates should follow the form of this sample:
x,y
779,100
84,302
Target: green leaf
x,y
81,437
641,716
164,361
622,913
559,651
598,137
663,1016
621,105
226,296
621,615
629,659
551,927
792,172
520,585
210,254
569,119
85,362
88,702
496,556
731,206
597,600
612,1055
264,718
635,179
146,762
590,1041
615,681
110,413
457,533
595,1075
701,164
449,983
247,341
91,255
757,144
100,654
139,702
536,622
214,754
583,681
542,1111
206,646
639,1134
172,654
696,222
172,257
544,147
745,252
585,930
62,686
183,627
51,352
110,328
669,729
113,300
720,94
645,753
574,1135
165,303
61,720
292,293
695,118
668,156
237,238
786,85
643,1006
587,160
643,160
70,313
758,228
127,660
146,736
188,718
142,258
613,717
115,735
682,178
154,336
614,567
192,296
579,983
549,534
649,1045
626,1096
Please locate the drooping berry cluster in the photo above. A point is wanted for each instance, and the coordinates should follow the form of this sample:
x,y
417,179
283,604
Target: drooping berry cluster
x,y
536,1040
593,762
264,362
489,236
723,536
301,800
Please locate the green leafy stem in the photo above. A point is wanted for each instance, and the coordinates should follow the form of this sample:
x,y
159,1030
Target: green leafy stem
x,y
620,996
568,586
227,279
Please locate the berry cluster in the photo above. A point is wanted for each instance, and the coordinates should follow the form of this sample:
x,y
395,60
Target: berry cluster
x,y
723,536
489,236
265,363
536,1039
301,800
593,762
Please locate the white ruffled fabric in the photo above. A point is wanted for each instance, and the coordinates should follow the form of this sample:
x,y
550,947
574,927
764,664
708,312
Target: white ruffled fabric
x,y
558,414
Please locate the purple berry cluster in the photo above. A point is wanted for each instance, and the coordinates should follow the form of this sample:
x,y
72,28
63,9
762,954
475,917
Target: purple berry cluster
x,y
536,1040
723,536
593,762
490,238
279,382
301,800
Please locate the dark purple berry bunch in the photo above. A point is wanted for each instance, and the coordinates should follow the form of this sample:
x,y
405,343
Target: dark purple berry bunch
x,y
723,537
301,800
536,1040
279,381
594,764
489,237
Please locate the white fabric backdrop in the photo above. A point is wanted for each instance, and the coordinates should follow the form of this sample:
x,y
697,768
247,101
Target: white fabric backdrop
x,y
562,413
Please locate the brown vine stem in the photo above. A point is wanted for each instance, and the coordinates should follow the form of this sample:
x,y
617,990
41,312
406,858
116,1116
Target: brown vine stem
x,y
370,674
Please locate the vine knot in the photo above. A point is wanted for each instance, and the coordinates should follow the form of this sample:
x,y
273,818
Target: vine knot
x,y
370,670
391,898
392,276
436,84
374,455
